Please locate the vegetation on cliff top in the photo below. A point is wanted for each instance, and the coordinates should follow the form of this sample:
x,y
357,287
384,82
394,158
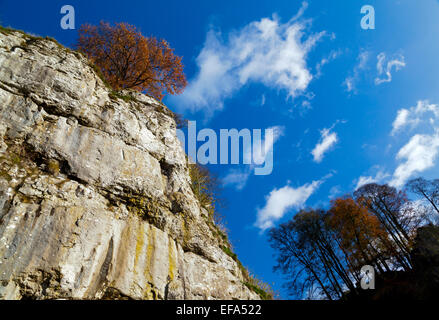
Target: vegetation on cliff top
x,y
129,60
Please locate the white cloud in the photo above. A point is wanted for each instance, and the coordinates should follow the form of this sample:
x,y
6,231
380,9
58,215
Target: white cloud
x,y
422,112
332,55
327,140
280,201
379,177
306,105
384,67
334,191
363,57
236,178
401,120
421,151
351,81
419,155
263,100
265,51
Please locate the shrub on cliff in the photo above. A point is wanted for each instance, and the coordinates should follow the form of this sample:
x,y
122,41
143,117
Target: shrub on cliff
x,y
128,60
205,187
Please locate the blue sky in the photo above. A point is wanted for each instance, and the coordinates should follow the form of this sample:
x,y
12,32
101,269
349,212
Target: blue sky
x,y
351,105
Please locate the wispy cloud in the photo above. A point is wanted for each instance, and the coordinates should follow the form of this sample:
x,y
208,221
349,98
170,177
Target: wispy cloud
x,y
424,111
265,51
237,178
263,100
334,192
327,140
419,154
280,201
332,55
351,81
379,177
401,120
385,66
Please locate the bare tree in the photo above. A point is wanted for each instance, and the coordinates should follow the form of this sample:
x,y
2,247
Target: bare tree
x,y
428,189
309,255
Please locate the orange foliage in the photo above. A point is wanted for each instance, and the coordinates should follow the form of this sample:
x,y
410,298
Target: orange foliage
x,y
359,230
128,60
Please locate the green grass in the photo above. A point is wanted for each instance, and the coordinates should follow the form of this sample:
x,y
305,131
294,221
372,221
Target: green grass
x,y
114,94
32,38
9,31
5,30
229,252
15,158
221,234
264,295
257,286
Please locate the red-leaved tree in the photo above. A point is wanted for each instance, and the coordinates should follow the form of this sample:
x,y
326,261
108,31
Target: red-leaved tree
x,y
128,60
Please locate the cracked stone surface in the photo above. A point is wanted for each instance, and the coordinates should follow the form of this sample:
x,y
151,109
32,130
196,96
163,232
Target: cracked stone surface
x,y
95,196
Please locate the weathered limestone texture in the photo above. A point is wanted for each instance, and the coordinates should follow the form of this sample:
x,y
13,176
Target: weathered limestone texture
x,y
95,196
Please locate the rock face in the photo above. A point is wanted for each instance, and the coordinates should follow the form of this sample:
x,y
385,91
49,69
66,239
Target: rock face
x,y
95,196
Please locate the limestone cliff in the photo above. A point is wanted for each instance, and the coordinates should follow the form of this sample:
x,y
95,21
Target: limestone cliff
x,y
95,196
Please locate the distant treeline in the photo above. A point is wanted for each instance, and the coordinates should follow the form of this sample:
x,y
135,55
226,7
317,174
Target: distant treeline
x,y
321,252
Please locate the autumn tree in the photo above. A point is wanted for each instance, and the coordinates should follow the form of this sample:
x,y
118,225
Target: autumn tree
x,y
128,60
359,234
390,206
